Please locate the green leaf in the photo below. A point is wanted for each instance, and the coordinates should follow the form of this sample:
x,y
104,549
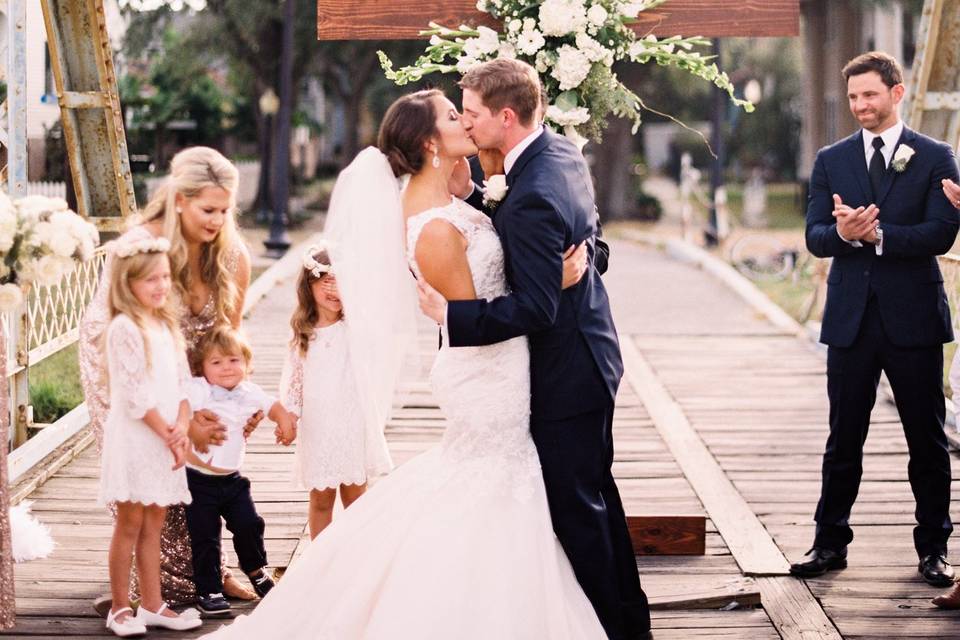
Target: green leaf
x,y
567,100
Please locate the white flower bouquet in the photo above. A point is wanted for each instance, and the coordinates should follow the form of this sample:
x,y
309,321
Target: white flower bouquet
x,y
41,241
573,44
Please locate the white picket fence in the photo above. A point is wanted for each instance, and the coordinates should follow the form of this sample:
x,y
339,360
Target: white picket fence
x,y
48,189
249,180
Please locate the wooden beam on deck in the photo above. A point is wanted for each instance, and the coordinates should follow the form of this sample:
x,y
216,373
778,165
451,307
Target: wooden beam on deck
x,y
668,535
403,20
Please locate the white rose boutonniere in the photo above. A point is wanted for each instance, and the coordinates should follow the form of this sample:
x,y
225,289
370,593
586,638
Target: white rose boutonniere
x,y
902,158
494,190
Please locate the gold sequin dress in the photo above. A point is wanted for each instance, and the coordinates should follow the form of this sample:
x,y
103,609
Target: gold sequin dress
x,y
8,602
176,559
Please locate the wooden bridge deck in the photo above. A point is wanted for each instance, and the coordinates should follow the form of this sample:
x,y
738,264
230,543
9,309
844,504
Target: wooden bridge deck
x,y
753,396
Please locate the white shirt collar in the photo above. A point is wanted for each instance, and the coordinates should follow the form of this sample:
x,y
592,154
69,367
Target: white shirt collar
x,y
890,138
514,154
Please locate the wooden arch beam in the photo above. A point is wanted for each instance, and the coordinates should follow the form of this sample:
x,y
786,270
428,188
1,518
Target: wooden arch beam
x,y
403,19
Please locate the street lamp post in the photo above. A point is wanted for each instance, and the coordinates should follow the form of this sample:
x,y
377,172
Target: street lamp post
x,y
269,104
712,235
278,242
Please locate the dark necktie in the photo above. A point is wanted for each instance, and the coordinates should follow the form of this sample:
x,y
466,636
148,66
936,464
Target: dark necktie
x,y
878,167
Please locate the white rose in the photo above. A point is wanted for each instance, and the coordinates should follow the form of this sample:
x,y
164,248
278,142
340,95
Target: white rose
x,y
50,270
530,42
590,48
575,116
597,15
62,242
11,296
902,157
8,228
572,67
495,188
35,206
631,9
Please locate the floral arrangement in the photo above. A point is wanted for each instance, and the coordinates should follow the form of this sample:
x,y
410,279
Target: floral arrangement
x,y
310,263
126,249
41,241
573,44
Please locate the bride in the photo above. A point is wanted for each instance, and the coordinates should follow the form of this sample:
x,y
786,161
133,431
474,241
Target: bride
x,y
458,542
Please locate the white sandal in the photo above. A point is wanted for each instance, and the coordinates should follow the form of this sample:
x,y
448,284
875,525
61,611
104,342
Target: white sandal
x,y
130,627
179,623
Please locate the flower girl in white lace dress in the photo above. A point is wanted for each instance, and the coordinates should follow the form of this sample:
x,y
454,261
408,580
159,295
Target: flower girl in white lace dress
x,y
335,448
145,434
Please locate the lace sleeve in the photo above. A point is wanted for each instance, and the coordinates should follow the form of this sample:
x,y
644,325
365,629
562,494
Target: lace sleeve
x,y
127,360
291,382
183,375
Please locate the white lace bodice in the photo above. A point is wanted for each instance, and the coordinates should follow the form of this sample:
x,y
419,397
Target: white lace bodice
x,y
484,251
484,392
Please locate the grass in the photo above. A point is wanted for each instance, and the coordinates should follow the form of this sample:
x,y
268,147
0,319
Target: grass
x,y
55,385
785,210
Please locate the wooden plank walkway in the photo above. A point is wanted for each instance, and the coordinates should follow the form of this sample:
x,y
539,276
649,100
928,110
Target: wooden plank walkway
x,y
755,397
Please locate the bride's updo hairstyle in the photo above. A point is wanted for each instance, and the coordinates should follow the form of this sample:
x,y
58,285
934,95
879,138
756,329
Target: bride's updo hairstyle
x,y
405,130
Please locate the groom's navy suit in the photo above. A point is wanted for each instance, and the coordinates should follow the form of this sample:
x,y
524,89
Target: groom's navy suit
x,y
575,369
885,312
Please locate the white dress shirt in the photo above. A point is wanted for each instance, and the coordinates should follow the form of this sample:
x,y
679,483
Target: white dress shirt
x,y
234,407
511,158
890,139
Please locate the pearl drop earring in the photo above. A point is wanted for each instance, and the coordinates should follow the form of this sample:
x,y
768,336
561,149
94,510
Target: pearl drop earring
x,y
436,160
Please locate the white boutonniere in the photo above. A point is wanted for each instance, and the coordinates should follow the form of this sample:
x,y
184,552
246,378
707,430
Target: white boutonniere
x,y
902,158
494,190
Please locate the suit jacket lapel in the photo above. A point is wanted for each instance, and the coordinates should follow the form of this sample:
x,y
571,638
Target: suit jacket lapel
x,y
858,161
891,175
535,147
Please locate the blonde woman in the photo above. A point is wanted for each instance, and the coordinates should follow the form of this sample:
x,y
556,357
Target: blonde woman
x,y
194,211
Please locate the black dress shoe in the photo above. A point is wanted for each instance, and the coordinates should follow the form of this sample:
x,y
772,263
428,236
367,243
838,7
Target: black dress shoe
x,y
936,570
818,561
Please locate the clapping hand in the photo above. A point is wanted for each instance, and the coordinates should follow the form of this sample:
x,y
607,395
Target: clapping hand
x,y
855,224
952,190
574,264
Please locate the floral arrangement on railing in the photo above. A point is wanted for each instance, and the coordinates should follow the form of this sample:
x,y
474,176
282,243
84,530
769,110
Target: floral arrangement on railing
x,y
41,241
573,44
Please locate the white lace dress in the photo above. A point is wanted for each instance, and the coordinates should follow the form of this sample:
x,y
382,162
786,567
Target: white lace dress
x,y
320,387
136,465
456,543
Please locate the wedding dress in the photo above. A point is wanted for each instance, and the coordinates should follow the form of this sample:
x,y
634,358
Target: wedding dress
x,y
456,543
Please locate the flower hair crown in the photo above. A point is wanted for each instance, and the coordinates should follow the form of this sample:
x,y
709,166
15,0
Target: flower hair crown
x,y
310,263
127,248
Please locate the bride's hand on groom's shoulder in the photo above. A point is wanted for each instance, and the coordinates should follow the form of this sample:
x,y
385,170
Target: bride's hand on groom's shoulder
x,y
491,160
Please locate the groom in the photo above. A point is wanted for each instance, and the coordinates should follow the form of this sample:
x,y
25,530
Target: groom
x,y
877,208
575,364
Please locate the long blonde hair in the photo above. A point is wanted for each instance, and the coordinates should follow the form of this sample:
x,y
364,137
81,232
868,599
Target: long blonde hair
x,y
127,270
306,315
191,171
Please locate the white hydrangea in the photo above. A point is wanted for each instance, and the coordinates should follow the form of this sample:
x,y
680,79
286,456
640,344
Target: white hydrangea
x,y
597,15
8,223
572,67
530,42
62,242
562,17
590,48
32,207
575,116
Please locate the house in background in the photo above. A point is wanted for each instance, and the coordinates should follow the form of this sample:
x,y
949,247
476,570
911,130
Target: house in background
x,y
42,108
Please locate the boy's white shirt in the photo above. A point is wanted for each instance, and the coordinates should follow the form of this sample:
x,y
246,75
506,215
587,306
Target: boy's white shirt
x,y
234,407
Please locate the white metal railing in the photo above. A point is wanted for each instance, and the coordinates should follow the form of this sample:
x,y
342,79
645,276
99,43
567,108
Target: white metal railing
x,y
48,321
